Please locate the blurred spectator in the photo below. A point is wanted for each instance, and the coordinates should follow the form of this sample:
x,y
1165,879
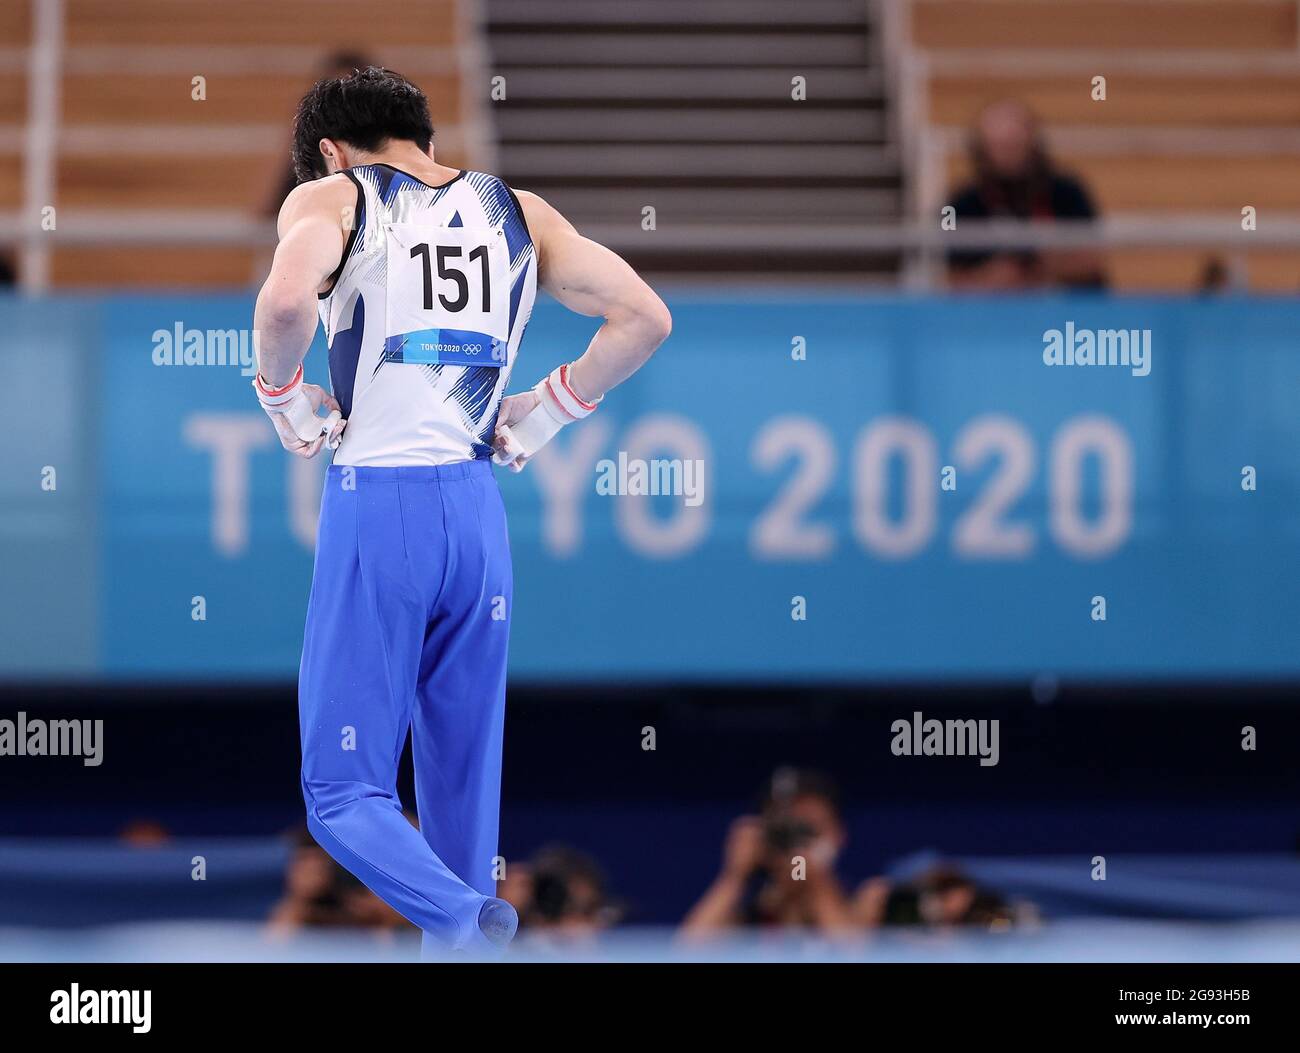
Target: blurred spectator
x,y
1015,179
144,833
1221,276
778,867
339,64
940,897
560,890
1214,276
8,272
318,893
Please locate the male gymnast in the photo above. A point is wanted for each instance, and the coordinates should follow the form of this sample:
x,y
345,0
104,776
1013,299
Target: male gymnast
x,y
424,277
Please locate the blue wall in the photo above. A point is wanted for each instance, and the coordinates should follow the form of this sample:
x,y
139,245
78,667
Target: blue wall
x,y
821,479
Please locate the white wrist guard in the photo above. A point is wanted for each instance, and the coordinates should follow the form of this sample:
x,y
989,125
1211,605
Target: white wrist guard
x,y
557,406
290,403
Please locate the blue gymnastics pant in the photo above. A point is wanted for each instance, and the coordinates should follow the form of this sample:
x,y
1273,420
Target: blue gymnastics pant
x,y
407,629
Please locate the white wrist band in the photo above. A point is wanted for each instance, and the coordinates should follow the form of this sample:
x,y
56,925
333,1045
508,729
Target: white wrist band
x,y
290,402
556,393
558,404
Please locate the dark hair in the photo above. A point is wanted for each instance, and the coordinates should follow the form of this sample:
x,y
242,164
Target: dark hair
x,y
365,109
555,868
787,784
1040,162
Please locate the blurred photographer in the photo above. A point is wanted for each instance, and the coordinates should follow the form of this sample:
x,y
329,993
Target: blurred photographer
x,y
779,866
318,893
940,897
560,890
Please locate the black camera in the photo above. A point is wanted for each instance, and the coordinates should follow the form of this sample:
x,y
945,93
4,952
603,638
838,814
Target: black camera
x,y
785,833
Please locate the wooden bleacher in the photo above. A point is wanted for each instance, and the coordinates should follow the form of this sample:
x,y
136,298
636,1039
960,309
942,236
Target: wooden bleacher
x,y
132,138
1133,24
15,27
1202,113
1134,99
327,24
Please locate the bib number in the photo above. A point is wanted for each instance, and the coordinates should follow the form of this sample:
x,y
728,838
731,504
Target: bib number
x,y
448,295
